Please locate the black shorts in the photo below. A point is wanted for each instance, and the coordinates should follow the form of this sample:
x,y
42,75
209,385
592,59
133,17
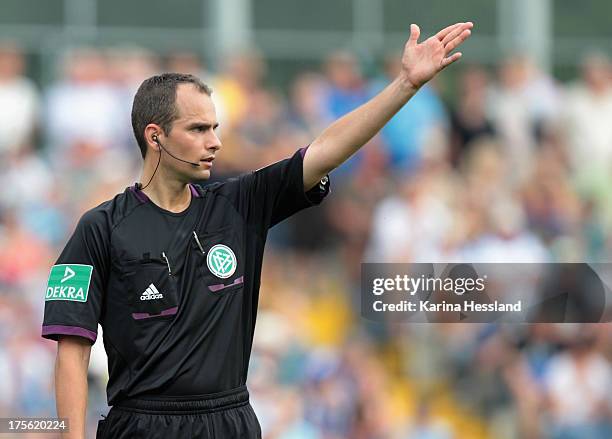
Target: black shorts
x,y
215,416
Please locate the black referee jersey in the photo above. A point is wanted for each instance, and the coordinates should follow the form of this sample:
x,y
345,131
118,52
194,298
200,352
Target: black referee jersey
x,y
175,293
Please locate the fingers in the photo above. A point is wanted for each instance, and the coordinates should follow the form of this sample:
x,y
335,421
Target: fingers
x,y
451,37
415,32
452,45
451,59
440,35
454,33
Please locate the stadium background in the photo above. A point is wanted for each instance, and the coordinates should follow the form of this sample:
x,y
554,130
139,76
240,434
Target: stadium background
x,y
500,159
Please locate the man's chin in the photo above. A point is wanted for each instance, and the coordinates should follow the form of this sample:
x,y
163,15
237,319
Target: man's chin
x,y
200,175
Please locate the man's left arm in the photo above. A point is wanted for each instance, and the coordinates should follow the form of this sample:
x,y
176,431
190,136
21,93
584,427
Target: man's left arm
x,y
420,63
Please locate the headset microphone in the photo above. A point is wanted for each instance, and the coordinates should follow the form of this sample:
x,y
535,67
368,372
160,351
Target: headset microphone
x,y
156,140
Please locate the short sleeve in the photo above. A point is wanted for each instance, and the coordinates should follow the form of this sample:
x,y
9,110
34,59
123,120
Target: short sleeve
x,y
76,284
275,192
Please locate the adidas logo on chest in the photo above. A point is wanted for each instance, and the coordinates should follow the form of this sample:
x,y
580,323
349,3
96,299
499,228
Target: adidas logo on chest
x,y
151,293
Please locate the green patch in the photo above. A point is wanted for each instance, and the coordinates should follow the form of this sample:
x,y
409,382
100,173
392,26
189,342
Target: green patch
x,y
221,261
69,282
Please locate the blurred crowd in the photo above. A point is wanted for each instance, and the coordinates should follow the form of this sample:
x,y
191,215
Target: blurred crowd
x,y
502,164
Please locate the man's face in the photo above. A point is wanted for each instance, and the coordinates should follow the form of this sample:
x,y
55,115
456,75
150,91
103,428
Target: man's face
x,y
192,136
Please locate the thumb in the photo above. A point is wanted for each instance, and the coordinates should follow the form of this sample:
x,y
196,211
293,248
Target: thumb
x,y
415,32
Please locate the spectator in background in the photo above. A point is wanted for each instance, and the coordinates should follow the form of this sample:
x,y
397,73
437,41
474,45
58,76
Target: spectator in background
x,y
19,111
38,211
578,387
236,87
22,169
552,205
492,225
412,224
587,128
523,103
308,110
504,237
587,116
126,66
83,111
346,84
470,116
22,253
415,127
86,122
484,171
510,114
262,129
36,364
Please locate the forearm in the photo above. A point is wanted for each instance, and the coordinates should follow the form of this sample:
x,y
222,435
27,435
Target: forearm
x,y
420,62
71,392
345,136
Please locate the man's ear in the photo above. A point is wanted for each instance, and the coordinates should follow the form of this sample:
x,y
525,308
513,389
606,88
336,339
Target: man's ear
x,y
152,133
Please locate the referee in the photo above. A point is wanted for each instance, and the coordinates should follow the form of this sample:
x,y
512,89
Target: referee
x,y
171,270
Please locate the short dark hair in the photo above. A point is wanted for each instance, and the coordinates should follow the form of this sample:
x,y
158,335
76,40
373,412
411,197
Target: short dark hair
x,y
155,102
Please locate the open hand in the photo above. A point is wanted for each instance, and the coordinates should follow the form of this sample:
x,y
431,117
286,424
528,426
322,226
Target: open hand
x,y
422,61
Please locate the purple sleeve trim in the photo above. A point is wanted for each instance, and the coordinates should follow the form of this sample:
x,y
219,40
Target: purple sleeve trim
x,y
142,197
303,151
194,191
52,331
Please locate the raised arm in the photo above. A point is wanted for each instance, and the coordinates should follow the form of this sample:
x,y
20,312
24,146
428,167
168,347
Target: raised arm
x,y
71,367
420,63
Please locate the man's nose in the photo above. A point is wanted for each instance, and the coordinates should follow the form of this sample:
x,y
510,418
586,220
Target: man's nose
x,y
215,146
215,143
